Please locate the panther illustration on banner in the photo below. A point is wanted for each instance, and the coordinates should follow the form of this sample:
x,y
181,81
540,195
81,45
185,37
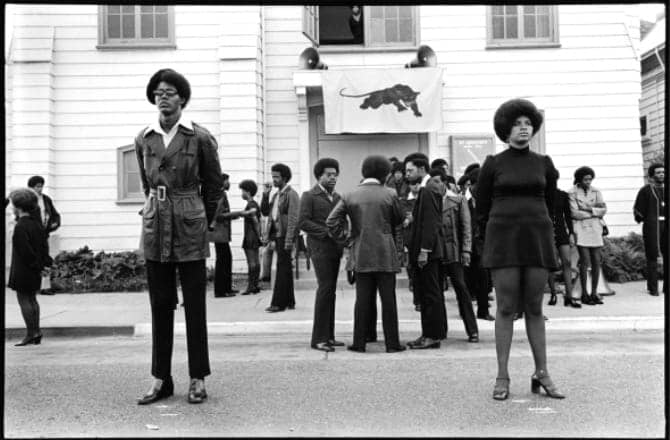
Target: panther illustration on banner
x,y
400,95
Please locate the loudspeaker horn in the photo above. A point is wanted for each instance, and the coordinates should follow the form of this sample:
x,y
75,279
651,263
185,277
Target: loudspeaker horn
x,y
309,59
425,57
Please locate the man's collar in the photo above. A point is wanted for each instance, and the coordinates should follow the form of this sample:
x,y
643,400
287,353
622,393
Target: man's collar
x,y
425,180
451,193
324,189
284,189
371,180
156,125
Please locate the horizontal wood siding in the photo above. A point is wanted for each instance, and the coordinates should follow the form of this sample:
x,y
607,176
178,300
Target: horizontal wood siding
x,y
652,105
72,112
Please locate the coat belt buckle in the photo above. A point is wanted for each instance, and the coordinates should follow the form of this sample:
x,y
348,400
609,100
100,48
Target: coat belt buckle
x,y
161,191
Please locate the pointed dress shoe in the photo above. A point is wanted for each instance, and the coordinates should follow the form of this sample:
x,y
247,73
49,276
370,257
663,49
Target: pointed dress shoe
x,y
396,349
35,339
424,343
335,343
274,309
160,389
323,346
196,391
356,349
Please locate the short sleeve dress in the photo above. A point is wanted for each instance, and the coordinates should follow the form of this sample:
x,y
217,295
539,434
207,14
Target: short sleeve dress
x,y
515,195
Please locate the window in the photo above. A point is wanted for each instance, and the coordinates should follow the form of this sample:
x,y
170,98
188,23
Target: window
x,y
129,185
124,26
522,26
362,26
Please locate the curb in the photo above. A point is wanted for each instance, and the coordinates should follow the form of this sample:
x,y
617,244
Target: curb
x,y
633,323
85,331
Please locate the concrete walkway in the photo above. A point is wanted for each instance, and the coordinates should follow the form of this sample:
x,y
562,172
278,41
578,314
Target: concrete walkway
x,y
128,313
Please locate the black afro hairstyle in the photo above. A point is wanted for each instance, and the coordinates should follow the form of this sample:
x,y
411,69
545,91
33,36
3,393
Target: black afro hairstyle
x,y
249,186
419,160
509,111
471,167
438,171
323,163
35,180
581,172
439,162
283,171
653,167
24,199
377,167
397,166
173,78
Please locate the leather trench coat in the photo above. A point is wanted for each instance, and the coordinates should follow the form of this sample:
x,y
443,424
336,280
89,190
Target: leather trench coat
x,y
457,228
183,184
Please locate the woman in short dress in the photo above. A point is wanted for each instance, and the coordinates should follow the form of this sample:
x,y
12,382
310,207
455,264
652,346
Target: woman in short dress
x,y
588,208
514,197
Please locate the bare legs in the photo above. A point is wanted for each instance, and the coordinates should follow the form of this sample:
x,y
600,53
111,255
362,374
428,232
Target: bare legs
x,y
512,284
589,257
564,252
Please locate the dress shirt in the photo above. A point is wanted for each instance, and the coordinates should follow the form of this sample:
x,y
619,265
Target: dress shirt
x,y
167,137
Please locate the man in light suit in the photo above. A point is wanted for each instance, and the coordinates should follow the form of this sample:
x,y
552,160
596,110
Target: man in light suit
x,y
374,211
315,205
426,253
282,224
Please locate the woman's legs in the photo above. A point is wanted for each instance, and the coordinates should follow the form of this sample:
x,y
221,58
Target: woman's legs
x,y
533,279
29,312
507,282
564,253
595,269
584,263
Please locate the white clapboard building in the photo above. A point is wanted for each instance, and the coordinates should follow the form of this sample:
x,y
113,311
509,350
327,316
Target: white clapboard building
x,y
76,76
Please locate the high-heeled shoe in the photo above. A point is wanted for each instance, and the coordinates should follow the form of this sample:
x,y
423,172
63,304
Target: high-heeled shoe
x,y
586,300
34,339
552,300
542,379
595,299
501,388
569,301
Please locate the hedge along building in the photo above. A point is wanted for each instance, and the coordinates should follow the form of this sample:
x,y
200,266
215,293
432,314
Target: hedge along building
x,y
76,76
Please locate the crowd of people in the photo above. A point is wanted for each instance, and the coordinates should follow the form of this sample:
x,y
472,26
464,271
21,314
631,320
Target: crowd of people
x,y
503,224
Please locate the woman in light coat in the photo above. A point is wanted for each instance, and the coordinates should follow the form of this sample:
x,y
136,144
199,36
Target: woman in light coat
x,y
587,207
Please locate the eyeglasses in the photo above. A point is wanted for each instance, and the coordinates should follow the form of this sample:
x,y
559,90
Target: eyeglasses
x,y
169,93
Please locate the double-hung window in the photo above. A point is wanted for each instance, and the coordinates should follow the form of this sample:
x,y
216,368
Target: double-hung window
x,y
141,26
129,185
522,26
351,27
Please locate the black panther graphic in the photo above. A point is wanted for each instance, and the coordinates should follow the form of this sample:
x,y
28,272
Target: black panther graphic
x,y
400,95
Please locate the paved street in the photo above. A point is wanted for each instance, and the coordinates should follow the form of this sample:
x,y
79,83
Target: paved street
x,y
277,386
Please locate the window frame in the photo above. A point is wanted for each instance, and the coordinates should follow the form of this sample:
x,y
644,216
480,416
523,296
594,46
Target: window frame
x,y
507,43
367,46
122,195
106,43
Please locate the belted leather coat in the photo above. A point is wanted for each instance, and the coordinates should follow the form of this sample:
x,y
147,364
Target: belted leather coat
x,y
183,184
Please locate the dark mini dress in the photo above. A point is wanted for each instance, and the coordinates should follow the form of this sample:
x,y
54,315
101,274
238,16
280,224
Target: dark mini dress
x,y
515,196
251,240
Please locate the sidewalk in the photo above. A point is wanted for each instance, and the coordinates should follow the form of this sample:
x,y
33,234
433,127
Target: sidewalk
x,y
99,314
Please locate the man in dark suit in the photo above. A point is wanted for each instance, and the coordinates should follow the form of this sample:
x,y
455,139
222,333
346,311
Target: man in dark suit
x,y
283,212
425,254
315,205
374,211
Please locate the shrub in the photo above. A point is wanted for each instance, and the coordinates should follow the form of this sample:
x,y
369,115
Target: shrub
x,y
82,271
623,258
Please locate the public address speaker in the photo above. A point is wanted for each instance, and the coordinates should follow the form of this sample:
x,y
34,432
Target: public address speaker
x,y
425,57
309,59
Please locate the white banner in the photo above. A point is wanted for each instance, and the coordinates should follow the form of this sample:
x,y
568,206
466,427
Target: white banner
x,y
382,100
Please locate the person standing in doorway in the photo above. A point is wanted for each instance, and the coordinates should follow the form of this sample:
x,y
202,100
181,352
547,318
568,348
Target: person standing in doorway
x,y
515,193
315,205
426,253
181,178
283,211
650,209
374,212
50,219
